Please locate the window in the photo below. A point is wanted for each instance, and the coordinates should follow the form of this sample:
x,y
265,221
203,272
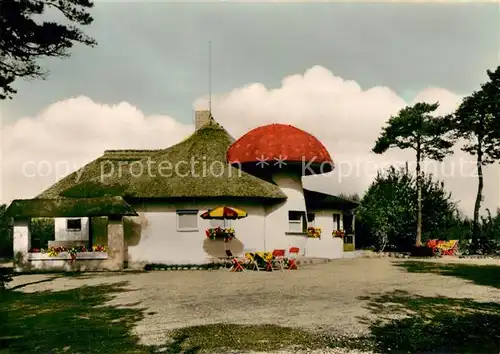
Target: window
x,y
187,220
310,219
74,224
297,221
336,222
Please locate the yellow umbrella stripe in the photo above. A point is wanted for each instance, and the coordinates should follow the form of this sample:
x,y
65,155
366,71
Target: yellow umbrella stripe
x,y
221,211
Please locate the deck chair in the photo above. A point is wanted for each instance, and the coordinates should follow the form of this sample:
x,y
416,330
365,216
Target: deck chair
x,y
293,253
236,264
452,248
251,260
432,243
262,262
277,258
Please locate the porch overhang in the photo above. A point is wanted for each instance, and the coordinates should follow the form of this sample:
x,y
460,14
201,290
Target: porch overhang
x,y
70,207
321,201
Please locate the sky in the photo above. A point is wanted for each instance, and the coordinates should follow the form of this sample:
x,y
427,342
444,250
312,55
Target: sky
x,y
336,70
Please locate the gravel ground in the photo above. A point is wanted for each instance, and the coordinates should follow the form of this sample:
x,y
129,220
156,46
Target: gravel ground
x,y
323,297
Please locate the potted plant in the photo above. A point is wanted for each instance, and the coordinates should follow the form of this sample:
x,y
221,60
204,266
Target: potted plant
x,y
99,248
229,234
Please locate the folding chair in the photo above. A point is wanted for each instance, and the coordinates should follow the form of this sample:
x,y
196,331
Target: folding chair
x,y
261,260
278,256
252,261
293,253
236,265
452,248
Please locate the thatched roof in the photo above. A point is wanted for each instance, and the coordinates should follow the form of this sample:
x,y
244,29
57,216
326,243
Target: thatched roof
x,y
186,173
92,171
70,207
318,200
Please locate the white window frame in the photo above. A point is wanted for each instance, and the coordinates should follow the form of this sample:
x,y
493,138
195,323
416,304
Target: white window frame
x,y
295,222
184,212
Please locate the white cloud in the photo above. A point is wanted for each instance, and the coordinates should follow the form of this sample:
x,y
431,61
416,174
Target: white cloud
x,y
39,150
348,120
345,117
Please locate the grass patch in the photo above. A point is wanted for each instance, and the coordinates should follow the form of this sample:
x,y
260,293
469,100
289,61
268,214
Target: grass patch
x,y
433,324
218,338
68,322
488,275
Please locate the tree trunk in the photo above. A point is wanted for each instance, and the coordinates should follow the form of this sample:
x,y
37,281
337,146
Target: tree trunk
x,y
418,241
477,205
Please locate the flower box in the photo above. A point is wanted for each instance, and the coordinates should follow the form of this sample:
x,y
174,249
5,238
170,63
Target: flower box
x,y
220,233
314,232
338,233
66,256
73,253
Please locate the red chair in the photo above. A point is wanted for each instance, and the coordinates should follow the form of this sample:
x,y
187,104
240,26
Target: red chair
x,y
432,243
237,266
277,257
453,248
293,253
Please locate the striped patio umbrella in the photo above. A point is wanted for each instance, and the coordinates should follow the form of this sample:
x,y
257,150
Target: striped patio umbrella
x,y
224,212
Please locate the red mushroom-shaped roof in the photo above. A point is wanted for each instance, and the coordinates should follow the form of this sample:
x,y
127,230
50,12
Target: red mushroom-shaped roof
x,y
280,145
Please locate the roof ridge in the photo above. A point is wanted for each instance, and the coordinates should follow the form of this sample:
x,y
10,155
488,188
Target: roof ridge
x,y
214,124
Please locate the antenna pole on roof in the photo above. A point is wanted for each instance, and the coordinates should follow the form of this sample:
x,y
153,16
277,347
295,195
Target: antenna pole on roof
x,y
210,77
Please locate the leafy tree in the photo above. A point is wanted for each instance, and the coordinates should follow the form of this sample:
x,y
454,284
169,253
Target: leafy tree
x,y
386,215
6,246
477,122
489,233
415,128
354,196
24,38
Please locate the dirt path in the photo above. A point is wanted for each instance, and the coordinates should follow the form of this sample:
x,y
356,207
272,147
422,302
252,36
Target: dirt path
x,y
319,297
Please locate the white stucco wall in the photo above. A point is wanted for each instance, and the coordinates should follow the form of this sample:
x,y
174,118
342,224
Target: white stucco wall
x,y
62,234
326,246
266,228
161,242
22,237
277,225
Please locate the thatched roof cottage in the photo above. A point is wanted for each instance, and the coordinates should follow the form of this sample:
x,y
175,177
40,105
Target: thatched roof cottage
x,y
160,195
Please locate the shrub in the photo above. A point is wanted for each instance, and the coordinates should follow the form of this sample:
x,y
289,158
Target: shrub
x,y
489,234
387,215
6,246
488,237
424,251
5,277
